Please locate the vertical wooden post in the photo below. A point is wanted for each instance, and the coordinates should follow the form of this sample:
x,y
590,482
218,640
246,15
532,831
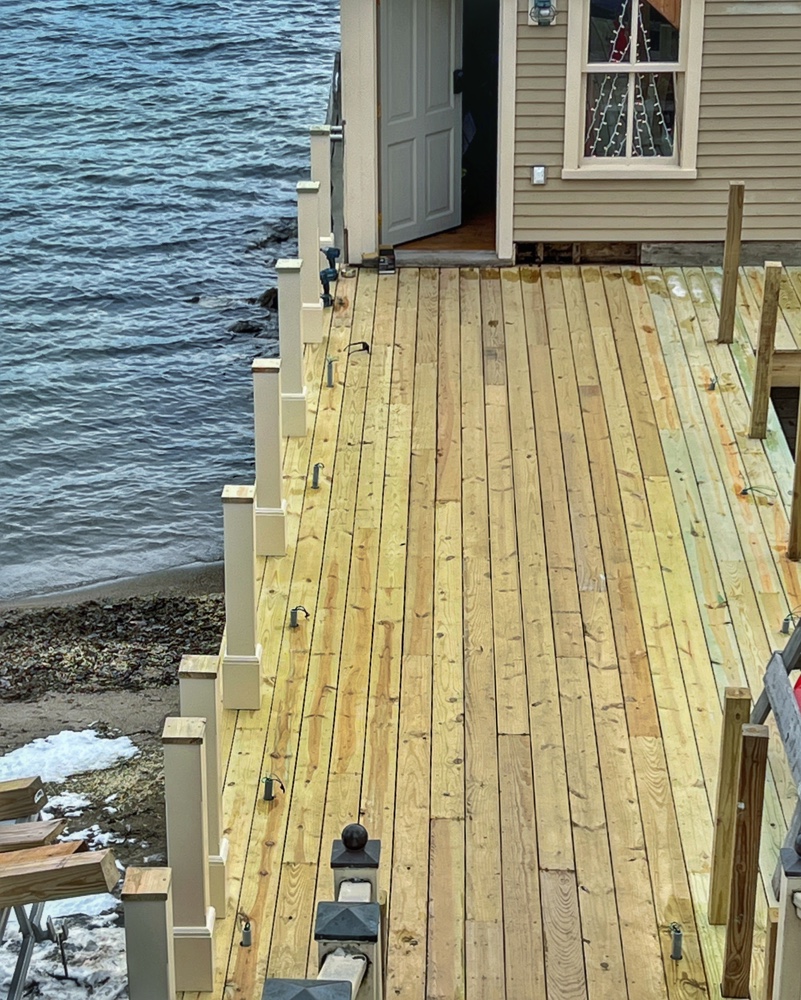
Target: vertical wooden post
x,y
771,936
311,313
270,503
320,136
736,708
731,262
794,539
149,949
201,697
293,390
187,852
767,338
787,975
241,651
745,863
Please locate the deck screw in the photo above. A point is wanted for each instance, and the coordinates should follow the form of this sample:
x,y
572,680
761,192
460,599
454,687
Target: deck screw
x,y
329,372
293,615
316,475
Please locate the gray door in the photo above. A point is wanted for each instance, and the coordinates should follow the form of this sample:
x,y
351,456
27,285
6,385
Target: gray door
x,y
421,118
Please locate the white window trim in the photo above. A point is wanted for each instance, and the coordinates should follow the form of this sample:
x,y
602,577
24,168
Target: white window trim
x,y
576,165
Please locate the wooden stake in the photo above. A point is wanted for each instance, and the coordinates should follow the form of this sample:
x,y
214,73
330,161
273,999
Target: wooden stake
x,y
745,863
736,708
767,338
794,540
731,262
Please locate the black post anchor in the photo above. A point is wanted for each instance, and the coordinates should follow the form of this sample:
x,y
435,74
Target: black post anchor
x,y
329,274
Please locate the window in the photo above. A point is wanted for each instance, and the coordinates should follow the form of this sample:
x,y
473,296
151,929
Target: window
x,y
633,82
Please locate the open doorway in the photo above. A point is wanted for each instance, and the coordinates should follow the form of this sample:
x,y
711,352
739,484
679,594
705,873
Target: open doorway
x,y
432,200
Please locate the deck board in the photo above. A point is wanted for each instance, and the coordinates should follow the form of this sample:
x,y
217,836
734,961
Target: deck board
x,y
531,572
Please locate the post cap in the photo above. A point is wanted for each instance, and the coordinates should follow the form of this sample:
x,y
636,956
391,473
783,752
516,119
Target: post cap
x,y
308,187
320,129
305,989
266,366
347,922
238,494
182,729
289,264
355,850
198,666
144,884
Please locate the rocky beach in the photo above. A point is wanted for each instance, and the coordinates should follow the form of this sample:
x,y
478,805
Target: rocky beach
x,y
108,664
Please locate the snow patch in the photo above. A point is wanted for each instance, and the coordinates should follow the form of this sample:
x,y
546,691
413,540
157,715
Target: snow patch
x,y
57,757
94,836
67,804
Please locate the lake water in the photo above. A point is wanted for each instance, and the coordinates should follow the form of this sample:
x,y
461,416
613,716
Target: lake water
x,y
150,155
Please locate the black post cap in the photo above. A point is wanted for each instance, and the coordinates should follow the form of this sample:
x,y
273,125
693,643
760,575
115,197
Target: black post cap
x,y
305,989
355,849
347,922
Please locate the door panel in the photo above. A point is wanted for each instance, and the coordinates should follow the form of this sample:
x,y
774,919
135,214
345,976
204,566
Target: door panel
x,y
421,118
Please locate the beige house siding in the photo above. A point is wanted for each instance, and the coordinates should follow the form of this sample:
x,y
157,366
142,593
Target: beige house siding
x,y
749,129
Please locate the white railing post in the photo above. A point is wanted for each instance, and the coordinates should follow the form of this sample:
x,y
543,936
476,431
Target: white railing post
x,y
320,137
201,697
270,503
309,252
293,390
787,974
149,949
241,665
187,852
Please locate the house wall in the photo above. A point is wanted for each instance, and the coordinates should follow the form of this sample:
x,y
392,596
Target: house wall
x,y
749,129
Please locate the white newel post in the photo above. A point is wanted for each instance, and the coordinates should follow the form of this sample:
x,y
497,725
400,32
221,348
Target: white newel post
x,y
293,391
187,852
241,680
201,697
320,137
149,950
270,503
309,252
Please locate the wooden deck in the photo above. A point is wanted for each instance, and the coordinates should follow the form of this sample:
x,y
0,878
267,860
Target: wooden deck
x,y
531,572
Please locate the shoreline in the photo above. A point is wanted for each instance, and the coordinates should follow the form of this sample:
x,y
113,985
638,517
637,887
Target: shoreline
x,y
192,580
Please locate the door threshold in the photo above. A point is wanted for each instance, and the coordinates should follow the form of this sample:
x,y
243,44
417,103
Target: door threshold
x,y
449,258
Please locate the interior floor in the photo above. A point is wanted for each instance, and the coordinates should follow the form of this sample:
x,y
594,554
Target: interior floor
x,y
476,233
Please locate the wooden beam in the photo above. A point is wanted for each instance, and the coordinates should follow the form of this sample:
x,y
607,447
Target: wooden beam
x,y
731,262
61,849
785,369
767,337
18,836
745,865
794,538
736,706
21,798
39,878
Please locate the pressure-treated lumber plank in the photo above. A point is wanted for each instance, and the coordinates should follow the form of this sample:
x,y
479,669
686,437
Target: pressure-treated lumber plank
x,y
18,836
745,864
524,956
736,709
42,877
564,962
483,886
21,797
61,849
510,670
731,260
529,392
767,337
446,942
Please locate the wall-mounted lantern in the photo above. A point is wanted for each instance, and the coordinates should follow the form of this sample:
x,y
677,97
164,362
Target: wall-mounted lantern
x,y
541,12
